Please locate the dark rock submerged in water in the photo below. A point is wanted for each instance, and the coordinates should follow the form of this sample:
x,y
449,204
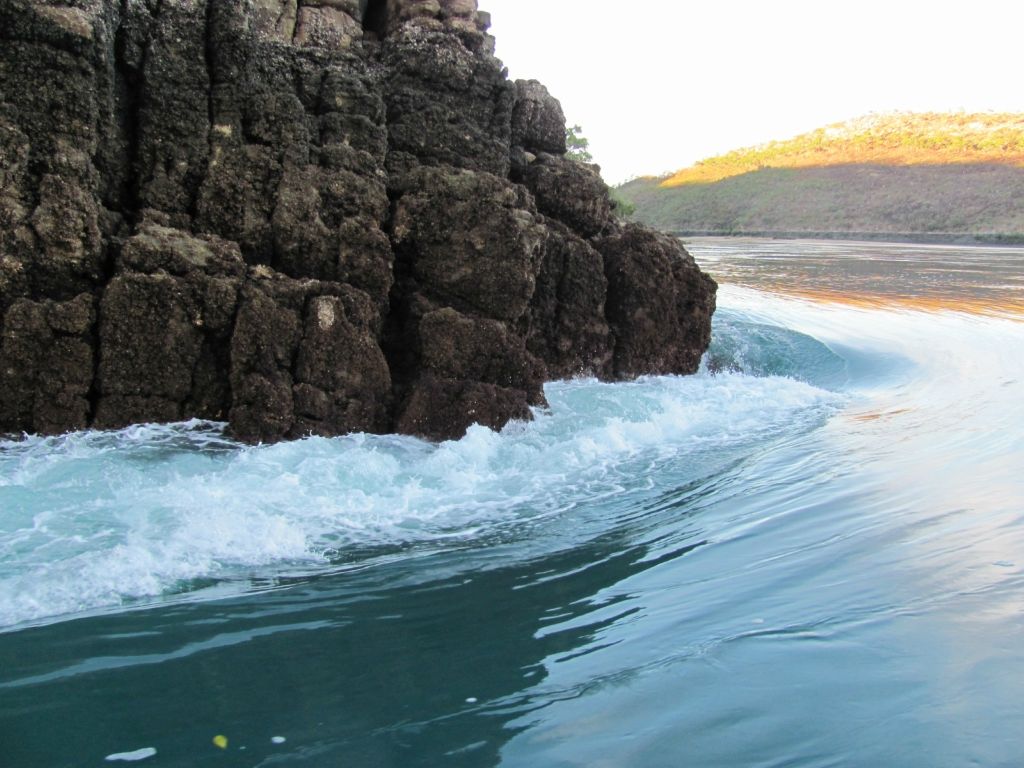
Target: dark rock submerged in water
x,y
305,217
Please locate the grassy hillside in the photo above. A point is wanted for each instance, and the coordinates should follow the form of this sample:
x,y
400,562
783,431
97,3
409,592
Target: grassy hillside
x,y
957,175
893,139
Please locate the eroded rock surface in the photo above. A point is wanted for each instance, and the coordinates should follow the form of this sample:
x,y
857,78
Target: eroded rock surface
x,y
305,216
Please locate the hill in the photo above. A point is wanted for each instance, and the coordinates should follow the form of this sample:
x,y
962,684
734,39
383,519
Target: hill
x,y
950,176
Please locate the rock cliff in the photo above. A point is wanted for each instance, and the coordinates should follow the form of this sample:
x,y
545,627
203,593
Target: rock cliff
x,y
305,216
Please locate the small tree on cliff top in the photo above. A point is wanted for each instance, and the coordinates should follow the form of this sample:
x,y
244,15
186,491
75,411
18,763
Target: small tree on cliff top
x,y
576,145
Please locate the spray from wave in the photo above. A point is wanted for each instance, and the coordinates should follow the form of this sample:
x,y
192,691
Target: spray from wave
x,y
100,520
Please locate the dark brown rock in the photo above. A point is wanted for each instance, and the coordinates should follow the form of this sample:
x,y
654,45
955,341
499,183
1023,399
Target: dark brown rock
x,y
305,216
566,325
162,249
47,365
570,192
538,123
443,409
312,206
447,104
325,26
454,346
469,239
150,337
659,303
268,329
343,383
173,126
305,358
166,319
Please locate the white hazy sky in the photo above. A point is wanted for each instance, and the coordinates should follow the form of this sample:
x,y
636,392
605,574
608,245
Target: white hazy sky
x,y
659,84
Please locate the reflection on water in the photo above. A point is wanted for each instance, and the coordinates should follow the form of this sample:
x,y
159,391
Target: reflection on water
x,y
976,279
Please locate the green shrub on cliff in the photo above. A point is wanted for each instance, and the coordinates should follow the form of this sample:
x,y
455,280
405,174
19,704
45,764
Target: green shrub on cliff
x,y
577,144
622,207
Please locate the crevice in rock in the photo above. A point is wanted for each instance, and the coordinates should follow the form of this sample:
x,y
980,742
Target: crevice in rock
x,y
92,397
210,60
375,17
129,100
400,355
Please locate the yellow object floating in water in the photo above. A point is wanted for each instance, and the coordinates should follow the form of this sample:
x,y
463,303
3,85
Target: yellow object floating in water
x,y
220,741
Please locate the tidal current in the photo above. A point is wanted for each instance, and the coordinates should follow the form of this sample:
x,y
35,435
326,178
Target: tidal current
x,y
809,554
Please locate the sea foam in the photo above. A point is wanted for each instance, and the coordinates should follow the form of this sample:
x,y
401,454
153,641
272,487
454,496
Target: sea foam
x,y
98,520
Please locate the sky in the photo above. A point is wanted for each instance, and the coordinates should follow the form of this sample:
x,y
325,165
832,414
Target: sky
x,y
659,84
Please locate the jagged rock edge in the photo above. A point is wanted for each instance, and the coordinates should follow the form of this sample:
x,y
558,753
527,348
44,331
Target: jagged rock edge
x,y
453,345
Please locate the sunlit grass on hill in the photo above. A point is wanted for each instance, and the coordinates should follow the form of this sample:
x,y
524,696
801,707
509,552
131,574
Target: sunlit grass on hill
x,y
943,177
975,200
898,139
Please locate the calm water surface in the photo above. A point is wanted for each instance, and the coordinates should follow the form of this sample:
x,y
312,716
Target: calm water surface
x,y
810,554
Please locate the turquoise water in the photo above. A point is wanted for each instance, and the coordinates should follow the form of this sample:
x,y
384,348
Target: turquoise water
x,y
809,554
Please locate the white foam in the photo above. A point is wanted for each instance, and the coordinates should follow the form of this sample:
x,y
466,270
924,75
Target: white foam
x,y
131,757
95,520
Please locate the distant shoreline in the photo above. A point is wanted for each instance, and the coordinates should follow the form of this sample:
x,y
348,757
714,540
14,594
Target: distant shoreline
x,y
923,238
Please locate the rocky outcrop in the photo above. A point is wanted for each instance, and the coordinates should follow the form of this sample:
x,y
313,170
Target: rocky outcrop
x,y
305,216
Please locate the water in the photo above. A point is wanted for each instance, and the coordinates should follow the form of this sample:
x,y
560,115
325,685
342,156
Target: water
x,y
810,554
